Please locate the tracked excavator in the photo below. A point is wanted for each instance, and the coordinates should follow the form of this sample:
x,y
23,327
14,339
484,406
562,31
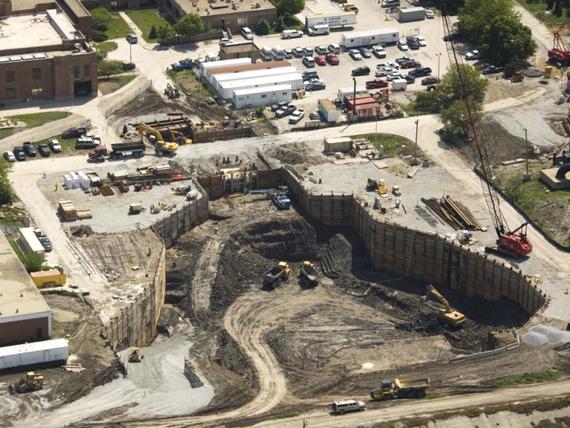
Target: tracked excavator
x,y
447,313
155,138
513,243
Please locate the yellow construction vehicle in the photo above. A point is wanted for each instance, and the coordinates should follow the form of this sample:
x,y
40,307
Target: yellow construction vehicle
x,y
155,138
309,273
400,388
447,313
180,138
135,356
279,272
32,382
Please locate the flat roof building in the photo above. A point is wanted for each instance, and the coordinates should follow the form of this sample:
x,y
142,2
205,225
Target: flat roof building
x,y
295,80
24,314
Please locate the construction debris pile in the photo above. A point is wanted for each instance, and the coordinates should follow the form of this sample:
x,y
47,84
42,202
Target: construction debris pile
x,y
453,213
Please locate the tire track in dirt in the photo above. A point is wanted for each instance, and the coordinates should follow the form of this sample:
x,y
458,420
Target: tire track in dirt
x,y
206,271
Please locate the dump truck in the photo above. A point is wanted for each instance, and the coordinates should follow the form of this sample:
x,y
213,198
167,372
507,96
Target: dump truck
x,y
277,273
447,313
400,388
135,208
97,155
309,273
127,150
32,382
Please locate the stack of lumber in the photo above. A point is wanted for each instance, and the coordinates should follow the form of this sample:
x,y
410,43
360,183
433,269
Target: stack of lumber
x,y
453,213
84,214
67,210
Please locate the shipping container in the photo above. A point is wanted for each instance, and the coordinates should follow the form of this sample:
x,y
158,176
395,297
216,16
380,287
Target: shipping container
x,y
30,354
410,14
29,242
338,144
52,277
336,20
262,96
387,36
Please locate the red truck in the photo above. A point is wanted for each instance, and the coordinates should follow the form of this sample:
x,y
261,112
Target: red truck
x,y
376,84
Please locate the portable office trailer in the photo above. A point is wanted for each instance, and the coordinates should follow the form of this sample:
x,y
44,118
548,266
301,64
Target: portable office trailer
x,y
30,354
261,96
204,67
338,144
226,89
410,14
335,20
327,110
356,39
29,242
344,93
217,79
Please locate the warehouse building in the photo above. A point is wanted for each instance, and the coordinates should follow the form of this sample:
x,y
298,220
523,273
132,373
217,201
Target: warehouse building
x,y
24,314
43,56
295,80
264,95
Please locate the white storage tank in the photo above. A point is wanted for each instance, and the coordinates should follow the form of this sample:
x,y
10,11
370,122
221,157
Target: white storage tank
x,y
83,180
74,180
29,354
67,181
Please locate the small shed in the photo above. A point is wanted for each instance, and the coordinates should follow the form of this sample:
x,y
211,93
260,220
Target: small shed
x,y
364,107
338,144
327,110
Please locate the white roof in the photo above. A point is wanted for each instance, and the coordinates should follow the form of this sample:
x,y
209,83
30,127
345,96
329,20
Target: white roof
x,y
261,90
24,348
251,74
29,235
328,14
262,81
359,89
367,33
412,9
225,63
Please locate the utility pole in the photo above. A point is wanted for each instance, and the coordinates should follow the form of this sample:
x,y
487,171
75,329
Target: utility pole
x,y
438,63
526,176
354,98
416,143
130,53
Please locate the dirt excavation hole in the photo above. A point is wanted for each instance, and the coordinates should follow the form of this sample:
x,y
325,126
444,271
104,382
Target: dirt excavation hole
x,y
356,323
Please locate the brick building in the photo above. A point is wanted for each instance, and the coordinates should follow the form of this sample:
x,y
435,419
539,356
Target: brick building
x,y
44,56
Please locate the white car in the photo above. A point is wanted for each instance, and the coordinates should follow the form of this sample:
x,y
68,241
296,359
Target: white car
x,y
9,156
430,14
472,55
422,41
334,48
355,54
296,116
403,45
378,51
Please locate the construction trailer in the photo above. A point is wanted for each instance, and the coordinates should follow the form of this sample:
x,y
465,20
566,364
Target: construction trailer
x,y
345,93
338,144
49,278
295,80
410,14
217,79
262,96
29,242
357,39
204,67
48,352
328,110
333,20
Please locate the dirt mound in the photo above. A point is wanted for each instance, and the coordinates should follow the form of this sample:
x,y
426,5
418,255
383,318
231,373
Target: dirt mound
x,y
296,154
294,240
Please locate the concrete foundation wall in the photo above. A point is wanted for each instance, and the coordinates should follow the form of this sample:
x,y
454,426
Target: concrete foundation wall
x,y
428,257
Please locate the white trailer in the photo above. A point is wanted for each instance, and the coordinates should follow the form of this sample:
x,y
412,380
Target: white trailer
x,y
410,14
34,353
29,242
226,89
337,20
356,39
344,93
262,96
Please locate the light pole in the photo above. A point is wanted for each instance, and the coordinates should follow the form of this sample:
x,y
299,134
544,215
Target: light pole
x,y
527,173
354,97
130,53
438,63
416,143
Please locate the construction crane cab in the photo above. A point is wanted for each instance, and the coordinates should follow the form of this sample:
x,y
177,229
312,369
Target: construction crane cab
x,y
447,313
155,138
31,382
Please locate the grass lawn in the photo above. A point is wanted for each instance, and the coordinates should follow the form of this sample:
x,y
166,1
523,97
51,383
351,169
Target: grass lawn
x,y
394,145
548,209
188,83
106,47
12,216
118,28
33,120
112,84
67,145
549,19
145,19
526,378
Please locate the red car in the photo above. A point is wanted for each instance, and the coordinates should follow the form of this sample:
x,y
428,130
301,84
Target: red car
x,y
320,60
376,84
332,59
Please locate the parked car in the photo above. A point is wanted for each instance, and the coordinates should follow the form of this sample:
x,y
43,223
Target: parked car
x,y
355,54
309,61
30,150
320,60
431,80
9,156
334,48
291,34
403,59
376,84
46,243
422,41
288,53
285,111
309,75
430,14
247,33
73,132
44,150
413,43
315,85
298,52
410,63
19,153
315,115
420,71
379,51
365,53
296,116
132,39
321,50
410,79
308,51
402,45
54,145
472,55
344,406
361,71
332,59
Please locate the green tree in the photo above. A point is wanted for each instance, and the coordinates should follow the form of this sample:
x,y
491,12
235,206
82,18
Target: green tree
x,y
428,102
101,18
108,68
165,32
279,24
289,7
189,24
33,262
152,33
262,27
6,192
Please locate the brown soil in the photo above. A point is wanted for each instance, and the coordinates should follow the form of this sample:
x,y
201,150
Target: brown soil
x,y
108,86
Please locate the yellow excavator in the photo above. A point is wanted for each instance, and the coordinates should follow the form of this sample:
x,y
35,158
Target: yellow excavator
x,y
447,313
32,382
155,137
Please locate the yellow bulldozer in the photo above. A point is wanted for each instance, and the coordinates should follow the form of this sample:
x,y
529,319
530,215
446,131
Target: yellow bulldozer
x,y
447,313
31,382
155,137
